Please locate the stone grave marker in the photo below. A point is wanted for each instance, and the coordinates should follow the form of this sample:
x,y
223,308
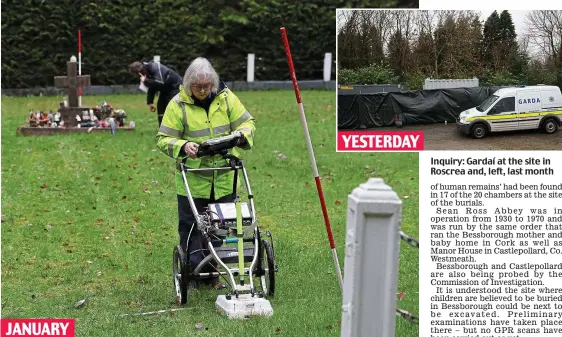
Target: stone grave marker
x,y
71,82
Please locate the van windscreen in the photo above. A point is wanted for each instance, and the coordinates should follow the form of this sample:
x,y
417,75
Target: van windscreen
x,y
487,103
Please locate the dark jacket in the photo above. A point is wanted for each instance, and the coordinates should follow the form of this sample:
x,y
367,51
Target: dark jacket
x,y
160,78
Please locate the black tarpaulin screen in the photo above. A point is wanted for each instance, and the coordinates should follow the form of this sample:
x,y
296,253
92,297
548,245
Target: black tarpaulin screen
x,y
414,107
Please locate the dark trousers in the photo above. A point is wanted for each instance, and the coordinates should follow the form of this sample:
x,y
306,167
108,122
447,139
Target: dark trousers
x,y
197,248
163,99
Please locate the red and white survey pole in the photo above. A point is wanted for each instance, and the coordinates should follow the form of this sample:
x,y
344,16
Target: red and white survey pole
x,y
79,66
311,155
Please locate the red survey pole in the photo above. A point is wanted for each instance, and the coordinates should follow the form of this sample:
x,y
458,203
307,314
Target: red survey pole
x,y
311,155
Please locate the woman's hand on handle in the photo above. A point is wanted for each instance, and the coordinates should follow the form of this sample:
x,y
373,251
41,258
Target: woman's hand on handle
x,y
190,148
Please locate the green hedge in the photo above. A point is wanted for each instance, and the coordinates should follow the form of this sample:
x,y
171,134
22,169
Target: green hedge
x,y
373,74
39,36
383,74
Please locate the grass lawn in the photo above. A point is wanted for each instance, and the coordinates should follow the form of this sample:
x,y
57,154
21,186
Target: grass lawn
x,y
94,216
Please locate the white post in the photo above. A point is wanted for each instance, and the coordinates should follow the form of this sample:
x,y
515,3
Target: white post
x,y
251,58
80,73
327,66
79,66
157,58
371,261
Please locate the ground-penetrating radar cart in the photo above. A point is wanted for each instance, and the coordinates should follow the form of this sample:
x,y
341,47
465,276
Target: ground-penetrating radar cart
x,y
235,247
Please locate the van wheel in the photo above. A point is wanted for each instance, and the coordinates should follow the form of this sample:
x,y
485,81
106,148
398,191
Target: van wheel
x,y
550,126
479,131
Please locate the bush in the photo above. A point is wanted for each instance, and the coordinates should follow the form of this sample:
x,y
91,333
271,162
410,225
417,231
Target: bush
x,y
415,80
542,76
493,78
347,76
373,74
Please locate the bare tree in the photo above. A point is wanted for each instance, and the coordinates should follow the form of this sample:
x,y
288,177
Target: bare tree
x,y
381,20
428,23
524,44
362,35
559,75
417,43
463,57
348,39
544,31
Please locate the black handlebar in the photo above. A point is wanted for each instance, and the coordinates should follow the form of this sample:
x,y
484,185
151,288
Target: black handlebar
x,y
218,145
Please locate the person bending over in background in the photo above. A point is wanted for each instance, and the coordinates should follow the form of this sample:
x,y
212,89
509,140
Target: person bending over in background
x,y
157,78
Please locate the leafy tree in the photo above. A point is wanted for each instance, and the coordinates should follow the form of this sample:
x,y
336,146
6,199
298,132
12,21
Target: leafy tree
x,y
475,43
539,73
490,41
500,49
508,43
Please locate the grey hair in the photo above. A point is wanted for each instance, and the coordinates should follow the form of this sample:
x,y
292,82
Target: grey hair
x,y
200,67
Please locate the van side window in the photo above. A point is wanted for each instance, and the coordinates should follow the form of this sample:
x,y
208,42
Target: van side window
x,y
505,105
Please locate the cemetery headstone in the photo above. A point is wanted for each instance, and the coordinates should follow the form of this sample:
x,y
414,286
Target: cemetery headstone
x,y
72,81
71,117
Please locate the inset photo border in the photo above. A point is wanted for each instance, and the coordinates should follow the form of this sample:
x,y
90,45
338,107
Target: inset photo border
x,y
469,80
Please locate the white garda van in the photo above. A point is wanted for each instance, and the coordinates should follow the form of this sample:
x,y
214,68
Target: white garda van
x,y
519,108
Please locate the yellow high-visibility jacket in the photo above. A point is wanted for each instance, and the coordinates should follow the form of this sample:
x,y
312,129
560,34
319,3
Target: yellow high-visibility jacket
x,y
186,122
